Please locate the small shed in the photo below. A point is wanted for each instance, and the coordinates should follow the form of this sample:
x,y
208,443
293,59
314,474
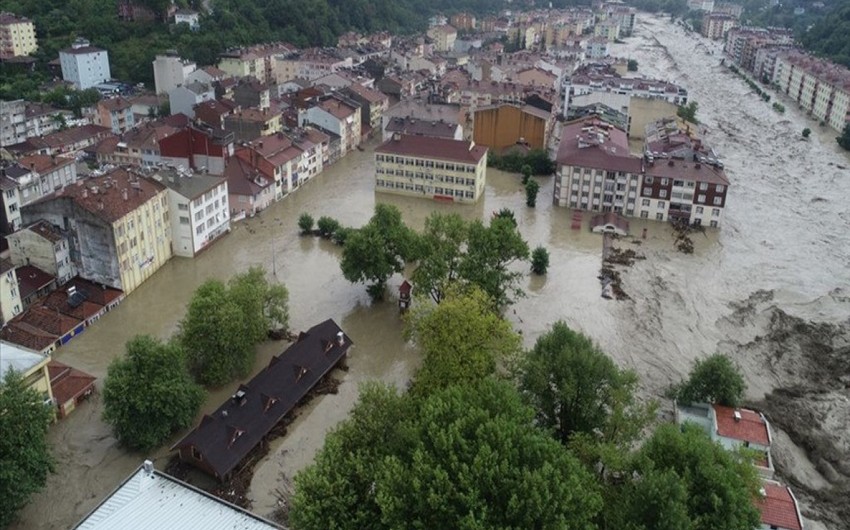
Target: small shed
x,y
609,222
404,291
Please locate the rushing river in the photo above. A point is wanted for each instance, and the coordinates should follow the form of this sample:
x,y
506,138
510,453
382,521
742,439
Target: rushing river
x,y
785,233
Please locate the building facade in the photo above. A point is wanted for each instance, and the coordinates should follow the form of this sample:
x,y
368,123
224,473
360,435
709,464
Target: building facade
x,y
716,25
84,65
435,168
170,71
45,246
17,36
199,210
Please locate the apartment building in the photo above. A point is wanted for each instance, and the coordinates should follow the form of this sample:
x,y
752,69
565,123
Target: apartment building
x,y
373,105
119,226
10,296
309,64
435,168
277,158
742,43
84,65
463,21
199,147
716,25
819,86
27,181
338,115
116,114
257,61
444,37
170,71
45,246
198,204
17,36
505,125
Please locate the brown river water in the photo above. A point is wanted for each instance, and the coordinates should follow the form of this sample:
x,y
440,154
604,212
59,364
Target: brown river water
x,y
784,247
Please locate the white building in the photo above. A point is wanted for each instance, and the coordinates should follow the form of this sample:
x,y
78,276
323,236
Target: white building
x,y
182,99
187,16
199,210
170,71
84,65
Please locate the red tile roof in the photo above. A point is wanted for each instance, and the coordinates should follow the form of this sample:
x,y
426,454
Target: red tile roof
x,y
778,508
435,148
45,230
27,335
31,279
45,163
68,383
752,427
594,143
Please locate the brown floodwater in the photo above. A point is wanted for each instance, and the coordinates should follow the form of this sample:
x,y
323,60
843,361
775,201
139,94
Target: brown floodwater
x,y
786,232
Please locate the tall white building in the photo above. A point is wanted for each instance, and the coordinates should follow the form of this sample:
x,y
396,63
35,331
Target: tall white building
x,y
84,65
170,71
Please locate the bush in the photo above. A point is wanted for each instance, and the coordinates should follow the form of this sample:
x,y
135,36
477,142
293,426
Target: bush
x,y
531,189
305,223
844,139
328,226
633,65
807,132
540,260
779,107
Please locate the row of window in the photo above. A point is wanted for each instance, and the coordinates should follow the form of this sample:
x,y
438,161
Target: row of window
x,y
424,163
448,179
703,186
418,188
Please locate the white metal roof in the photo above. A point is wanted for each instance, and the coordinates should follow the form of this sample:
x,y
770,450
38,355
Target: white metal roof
x,y
15,357
154,500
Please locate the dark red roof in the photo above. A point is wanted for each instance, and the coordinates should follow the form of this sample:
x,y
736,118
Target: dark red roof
x,y
47,320
31,279
27,335
594,143
437,148
752,427
687,170
778,509
68,383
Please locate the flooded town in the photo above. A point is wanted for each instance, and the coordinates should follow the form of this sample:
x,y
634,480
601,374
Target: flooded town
x,y
768,284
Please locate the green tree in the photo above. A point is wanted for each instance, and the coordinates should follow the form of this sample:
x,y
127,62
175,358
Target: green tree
x,y
575,388
305,223
652,500
720,484
463,457
327,226
149,394
632,65
378,250
491,251
462,340
264,305
844,139
531,190
213,336
688,112
25,459
714,379
441,249
807,132
526,173
540,260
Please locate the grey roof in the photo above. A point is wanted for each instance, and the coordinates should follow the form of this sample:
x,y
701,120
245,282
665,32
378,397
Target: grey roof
x,y
152,499
190,187
15,357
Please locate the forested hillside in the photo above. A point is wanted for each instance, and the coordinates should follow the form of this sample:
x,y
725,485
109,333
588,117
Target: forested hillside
x,y
830,36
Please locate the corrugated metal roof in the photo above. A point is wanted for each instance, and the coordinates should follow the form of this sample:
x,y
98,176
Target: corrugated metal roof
x,y
155,500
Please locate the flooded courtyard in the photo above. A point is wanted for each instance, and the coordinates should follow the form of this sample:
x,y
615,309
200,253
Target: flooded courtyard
x,y
781,259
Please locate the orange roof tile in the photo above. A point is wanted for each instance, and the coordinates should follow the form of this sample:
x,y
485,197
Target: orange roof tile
x,y
752,427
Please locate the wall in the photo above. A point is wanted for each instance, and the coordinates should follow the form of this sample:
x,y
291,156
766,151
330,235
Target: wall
x,y
502,127
643,111
462,182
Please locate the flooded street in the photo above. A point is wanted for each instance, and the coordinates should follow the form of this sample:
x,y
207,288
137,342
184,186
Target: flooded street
x,y
780,259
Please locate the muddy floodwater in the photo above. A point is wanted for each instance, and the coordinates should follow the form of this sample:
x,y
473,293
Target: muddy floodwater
x,y
779,264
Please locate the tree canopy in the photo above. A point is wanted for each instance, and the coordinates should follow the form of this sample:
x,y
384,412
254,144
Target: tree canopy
x,y
714,379
462,340
441,253
149,394
25,459
491,252
462,457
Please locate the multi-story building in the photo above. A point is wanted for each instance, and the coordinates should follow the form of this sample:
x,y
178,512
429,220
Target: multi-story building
x,y
182,99
436,168
595,78
45,246
199,211
444,37
373,105
140,146
188,17
463,21
336,114
596,48
257,61
819,86
84,65
309,64
502,126
249,124
170,71
119,226
609,29
17,36
199,147
116,114
30,179
742,43
249,191
277,158
10,296
716,25
21,119
13,128
67,142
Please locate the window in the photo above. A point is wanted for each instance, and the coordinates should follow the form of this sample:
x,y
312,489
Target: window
x,y
699,209
645,202
678,183
663,194
196,454
644,215
720,188
659,217
718,201
647,192
199,230
664,182
715,212
713,224
701,198
183,206
199,215
703,186
647,180
661,205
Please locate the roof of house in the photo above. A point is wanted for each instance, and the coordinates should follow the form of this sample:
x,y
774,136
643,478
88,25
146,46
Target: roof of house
x,y
11,18
45,230
591,142
82,50
417,127
15,357
99,294
68,383
372,96
243,179
436,148
47,320
26,335
778,507
151,499
45,163
31,279
751,427
337,108
226,436
114,104
105,196
191,186
687,170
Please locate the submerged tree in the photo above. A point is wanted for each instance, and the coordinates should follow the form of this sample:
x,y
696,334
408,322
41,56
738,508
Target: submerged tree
x,y
714,379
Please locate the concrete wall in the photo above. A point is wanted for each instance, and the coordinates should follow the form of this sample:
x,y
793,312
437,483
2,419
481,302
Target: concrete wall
x,y
643,111
503,127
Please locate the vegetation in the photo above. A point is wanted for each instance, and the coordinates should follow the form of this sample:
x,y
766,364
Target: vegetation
x,y
688,112
844,139
378,250
442,251
531,190
827,36
305,223
225,322
779,107
540,260
462,457
25,459
462,340
526,173
149,394
714,379
537,159
754,86
807,132
632,65
328,226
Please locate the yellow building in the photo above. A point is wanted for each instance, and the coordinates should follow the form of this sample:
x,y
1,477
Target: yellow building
x,y
10,296
17,36
506,125
120,226
444,37
609,29
242,64
435,168
31,365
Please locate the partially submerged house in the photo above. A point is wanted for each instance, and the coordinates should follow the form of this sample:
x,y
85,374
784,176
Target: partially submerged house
x,y
224,438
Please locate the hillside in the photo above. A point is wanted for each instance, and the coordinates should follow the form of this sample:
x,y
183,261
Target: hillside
x,y
828,37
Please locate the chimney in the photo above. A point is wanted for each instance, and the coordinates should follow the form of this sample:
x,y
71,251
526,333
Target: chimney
x,y
124,194
85,193
737,416
148,467
340,338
